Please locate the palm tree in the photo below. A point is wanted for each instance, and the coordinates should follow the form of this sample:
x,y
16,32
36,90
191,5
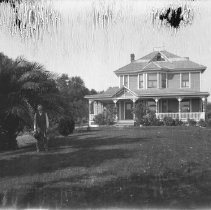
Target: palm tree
x,y
23,85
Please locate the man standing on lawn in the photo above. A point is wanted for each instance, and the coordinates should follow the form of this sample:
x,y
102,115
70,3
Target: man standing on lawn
x,y
41,125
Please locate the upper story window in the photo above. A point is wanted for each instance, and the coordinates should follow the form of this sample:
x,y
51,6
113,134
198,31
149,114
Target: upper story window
x,y
152,80
141,81
163,80
126,80
185,80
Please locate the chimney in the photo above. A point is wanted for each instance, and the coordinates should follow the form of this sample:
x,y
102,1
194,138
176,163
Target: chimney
x,y
132,57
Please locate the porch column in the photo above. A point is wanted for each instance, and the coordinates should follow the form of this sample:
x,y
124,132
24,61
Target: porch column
x,y
203,104
90,102
115,105
134,104
179,100
156,102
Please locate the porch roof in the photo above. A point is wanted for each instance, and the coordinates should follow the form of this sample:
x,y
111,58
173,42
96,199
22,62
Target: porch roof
x,y
165,92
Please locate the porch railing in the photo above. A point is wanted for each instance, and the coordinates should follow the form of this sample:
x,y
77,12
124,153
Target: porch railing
x,y
91,117
183,115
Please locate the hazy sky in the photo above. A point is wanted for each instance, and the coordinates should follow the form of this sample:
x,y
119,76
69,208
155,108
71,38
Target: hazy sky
x,y
79,48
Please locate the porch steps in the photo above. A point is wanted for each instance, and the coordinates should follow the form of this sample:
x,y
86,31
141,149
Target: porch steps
x,y
124,123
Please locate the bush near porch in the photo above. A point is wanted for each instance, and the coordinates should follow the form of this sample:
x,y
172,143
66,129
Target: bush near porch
x,y
147,117
108,116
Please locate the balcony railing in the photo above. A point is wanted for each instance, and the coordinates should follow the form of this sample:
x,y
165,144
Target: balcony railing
x,y
183,115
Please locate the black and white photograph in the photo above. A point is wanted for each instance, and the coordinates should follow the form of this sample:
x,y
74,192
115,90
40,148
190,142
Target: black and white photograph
x,y
105,104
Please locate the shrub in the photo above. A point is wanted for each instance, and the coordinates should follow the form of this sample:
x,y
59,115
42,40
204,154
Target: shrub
x,y
66,126
208,123
108,116
4,142
137,124
178,122
202,123
168,121
150,120
208,115
99,119
191,122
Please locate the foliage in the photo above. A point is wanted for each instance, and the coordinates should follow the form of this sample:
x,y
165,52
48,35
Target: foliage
x,y
178,122
208,111
140,111
168,121
66,126
73,91
100,119
23,85
150,120
202,123
108,116
191,122
208,123
208,115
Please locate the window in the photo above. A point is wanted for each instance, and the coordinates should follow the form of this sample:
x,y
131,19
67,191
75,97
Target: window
x,y
185,80
163,80
152,81
126,80
121,81
141,81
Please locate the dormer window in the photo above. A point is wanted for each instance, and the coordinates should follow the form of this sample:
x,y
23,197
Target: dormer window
x,y
158,57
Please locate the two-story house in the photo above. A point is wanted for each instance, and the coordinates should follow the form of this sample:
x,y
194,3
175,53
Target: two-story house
x,y
168,84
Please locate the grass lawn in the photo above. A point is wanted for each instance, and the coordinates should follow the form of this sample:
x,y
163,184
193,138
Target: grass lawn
x,y
129,167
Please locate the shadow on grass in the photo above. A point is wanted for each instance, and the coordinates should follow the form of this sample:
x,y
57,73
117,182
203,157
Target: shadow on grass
x,y
66,152
174,189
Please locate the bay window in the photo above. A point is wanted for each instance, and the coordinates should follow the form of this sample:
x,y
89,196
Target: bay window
x,y
141,81
126,78
163,80
152,80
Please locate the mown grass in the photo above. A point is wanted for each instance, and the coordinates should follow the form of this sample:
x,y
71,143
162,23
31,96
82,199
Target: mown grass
x,y
128,167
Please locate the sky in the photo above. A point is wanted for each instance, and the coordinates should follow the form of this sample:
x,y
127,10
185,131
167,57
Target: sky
x,y
82,47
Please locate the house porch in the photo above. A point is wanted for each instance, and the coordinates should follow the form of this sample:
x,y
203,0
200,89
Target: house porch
x,y
182,108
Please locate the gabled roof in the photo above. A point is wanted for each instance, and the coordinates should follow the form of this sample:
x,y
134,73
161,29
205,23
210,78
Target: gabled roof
x,y
124,91
168,62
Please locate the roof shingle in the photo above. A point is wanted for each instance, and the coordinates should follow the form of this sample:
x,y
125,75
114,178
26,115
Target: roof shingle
x,y
172,63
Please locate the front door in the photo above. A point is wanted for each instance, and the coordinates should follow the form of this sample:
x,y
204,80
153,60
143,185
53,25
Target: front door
x,y
128,110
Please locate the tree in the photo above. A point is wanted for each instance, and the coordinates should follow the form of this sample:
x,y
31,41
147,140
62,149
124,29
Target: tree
x,y
23,85
73,90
